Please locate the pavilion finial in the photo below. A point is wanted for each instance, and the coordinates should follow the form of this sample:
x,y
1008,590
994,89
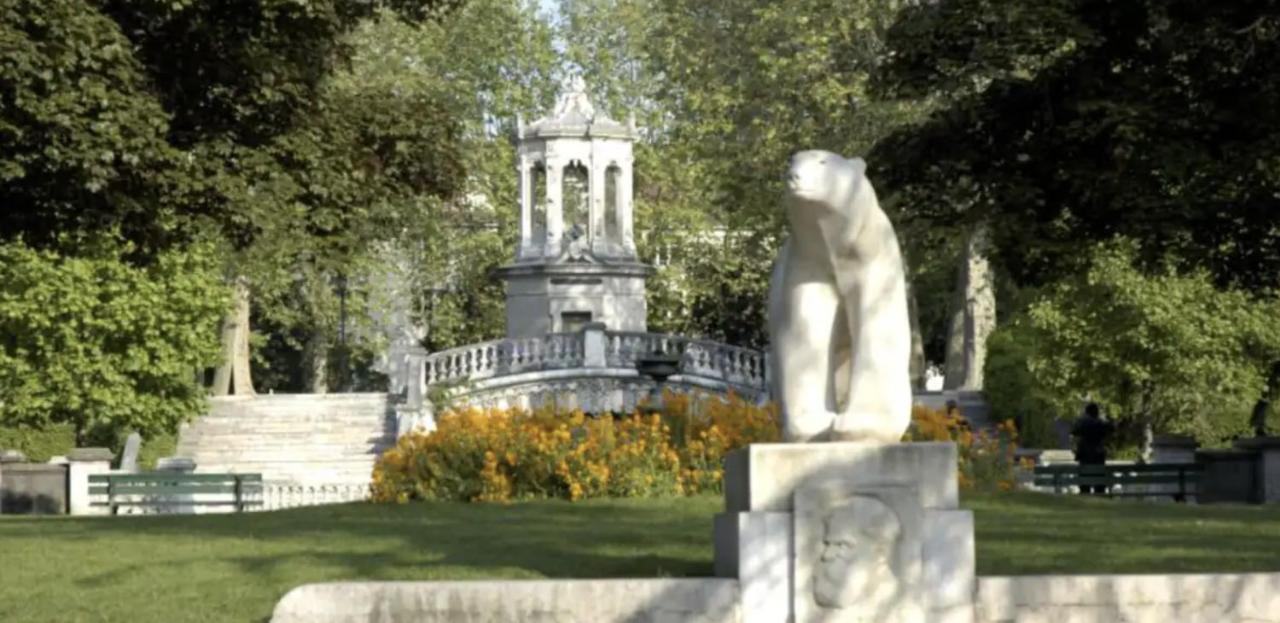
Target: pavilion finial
x,y
575,99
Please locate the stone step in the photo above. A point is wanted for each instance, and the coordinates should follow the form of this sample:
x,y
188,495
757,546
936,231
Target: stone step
x,y
316,439
238,456
297,433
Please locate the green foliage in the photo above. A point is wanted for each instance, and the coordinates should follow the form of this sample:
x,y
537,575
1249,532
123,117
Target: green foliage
x,y
39,444
170,122
1167,348
102,345
1068,121
156,447
485,62
726,91
1012,390
82,141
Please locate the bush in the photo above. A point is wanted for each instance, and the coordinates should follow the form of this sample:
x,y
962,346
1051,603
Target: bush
x,y
1011,389
496,455
504,454
59,439
103,345
39,444
987,460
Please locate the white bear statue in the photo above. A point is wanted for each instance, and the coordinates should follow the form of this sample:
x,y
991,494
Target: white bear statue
x,y
841,338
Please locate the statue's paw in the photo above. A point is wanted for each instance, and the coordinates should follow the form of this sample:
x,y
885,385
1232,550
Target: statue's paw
x,y
807,426
866,428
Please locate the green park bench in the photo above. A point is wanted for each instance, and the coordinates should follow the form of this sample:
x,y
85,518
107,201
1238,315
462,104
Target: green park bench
x,y
1174,479
175,489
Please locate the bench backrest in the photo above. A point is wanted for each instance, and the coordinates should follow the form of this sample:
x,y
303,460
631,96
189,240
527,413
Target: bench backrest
x,y
174,483
1148,473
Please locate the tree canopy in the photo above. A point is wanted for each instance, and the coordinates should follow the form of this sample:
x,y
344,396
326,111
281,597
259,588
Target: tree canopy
x,y
1168,350
1069,121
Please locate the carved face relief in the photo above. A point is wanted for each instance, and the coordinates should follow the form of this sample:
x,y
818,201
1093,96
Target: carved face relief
x,y
857,548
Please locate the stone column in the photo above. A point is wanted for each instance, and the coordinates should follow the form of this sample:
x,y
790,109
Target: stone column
x,y
554,207
82,462
526,207
595,184
625,220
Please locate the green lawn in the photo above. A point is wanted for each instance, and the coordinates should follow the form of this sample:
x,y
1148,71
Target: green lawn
x,y
234,567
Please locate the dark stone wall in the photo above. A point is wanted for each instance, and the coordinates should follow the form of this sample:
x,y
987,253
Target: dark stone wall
x,y
33,489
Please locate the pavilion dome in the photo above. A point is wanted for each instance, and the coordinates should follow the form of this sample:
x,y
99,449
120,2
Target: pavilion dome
x,y
575,116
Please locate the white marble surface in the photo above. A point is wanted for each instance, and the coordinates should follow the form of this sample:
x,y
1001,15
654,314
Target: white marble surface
x,y
949,565
858,554
703,600
765,476
756,549
838,309
1172,598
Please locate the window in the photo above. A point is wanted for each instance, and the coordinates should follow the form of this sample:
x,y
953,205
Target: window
x,y
577,207
612,230
538,195
573,321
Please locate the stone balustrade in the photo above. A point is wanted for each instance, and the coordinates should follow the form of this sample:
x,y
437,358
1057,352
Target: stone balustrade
x,y
732,365
500,357
282,495
742,368
594,361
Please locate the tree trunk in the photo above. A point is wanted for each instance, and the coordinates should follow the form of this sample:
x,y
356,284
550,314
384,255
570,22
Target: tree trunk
x,y
917,366
233,376
222,375
972,316
317,364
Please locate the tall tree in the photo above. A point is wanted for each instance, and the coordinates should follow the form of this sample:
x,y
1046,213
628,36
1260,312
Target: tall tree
x,y
727,90
1071,121
1162,351
488,61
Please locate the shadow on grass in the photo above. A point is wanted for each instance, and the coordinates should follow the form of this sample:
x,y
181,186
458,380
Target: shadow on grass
x,y
622,538
238,566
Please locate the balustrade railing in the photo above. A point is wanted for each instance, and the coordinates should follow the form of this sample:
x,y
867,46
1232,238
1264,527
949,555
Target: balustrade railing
x,y
282,495
733,365
701,358
502,357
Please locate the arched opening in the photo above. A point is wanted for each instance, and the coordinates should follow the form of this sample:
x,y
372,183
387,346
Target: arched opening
x,y
538,195
577,207
612,222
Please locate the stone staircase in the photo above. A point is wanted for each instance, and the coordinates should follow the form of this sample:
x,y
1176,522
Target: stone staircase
x,y
306,439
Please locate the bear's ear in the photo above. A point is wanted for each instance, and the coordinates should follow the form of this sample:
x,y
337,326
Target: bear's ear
x,y
859,167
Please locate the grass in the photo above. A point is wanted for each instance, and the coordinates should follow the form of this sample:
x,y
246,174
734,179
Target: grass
x,y
235,567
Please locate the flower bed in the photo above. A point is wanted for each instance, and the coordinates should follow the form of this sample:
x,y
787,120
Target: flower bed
x,y
497,455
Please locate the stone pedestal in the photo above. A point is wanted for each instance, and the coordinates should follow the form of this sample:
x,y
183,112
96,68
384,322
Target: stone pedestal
x,y
82,462
846,532
1268,466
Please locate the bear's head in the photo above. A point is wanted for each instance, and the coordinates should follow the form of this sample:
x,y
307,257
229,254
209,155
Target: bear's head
x,y
823,178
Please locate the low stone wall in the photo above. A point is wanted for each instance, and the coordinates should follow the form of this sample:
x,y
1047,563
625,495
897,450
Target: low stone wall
x,y
33,489
1174,598
531,601
1220,598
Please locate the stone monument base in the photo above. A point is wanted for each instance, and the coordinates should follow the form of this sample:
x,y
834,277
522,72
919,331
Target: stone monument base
x,y
846,532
